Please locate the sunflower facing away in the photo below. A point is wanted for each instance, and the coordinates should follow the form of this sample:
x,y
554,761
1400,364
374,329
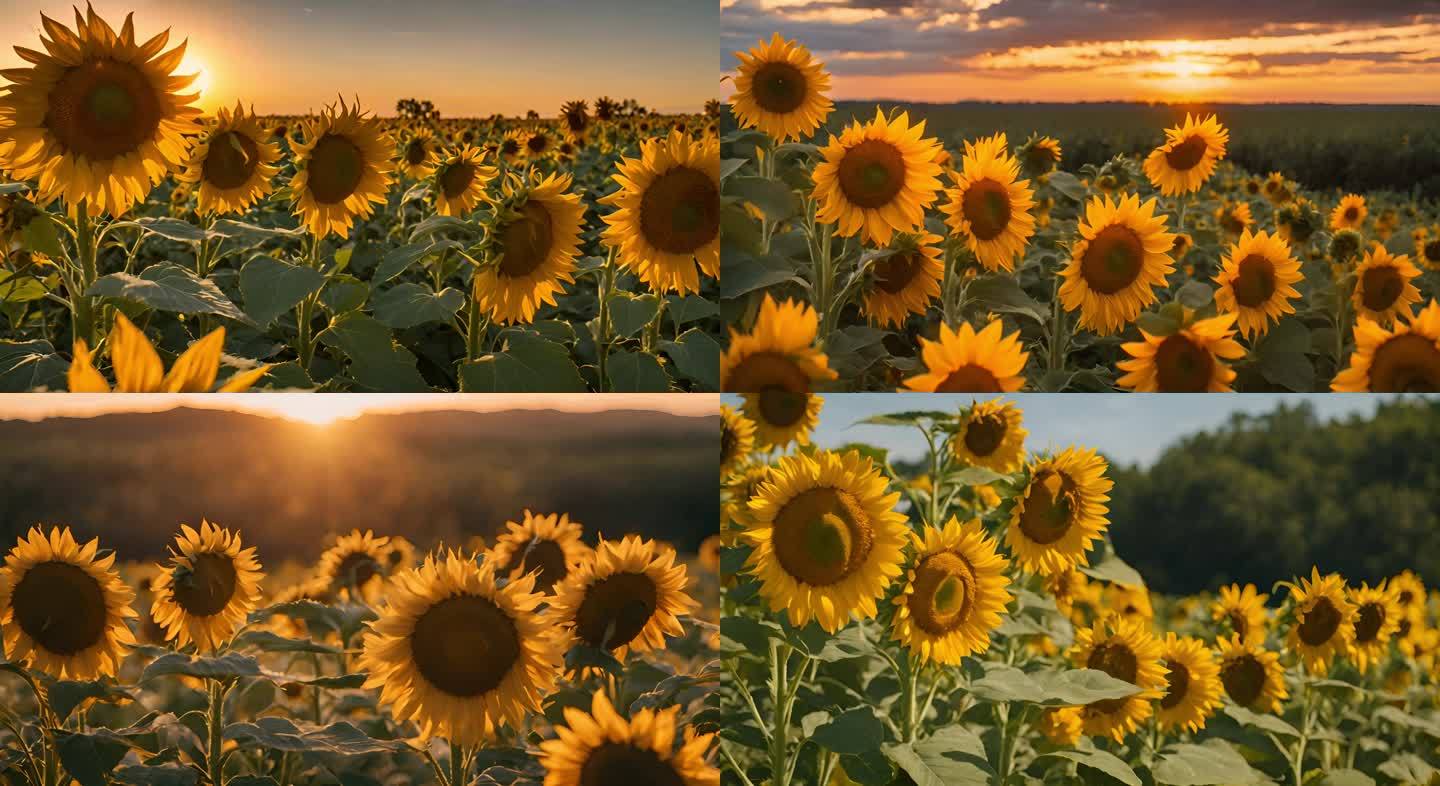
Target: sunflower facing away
x,y
778,361
1252,676
1377,619
963,361
1121,254
96,117
1193,677
1384,286
780,89
342,170
666,221
355,564
828,540
877,179
990,436
601,748
1190,360
548,546
988,206
1242,611
209,587
737,439
1324,621
459,653
416,155
138,368
627,598
460,182
233,163
1125,650
905,281
62,610
1349,213
1040,154
533,240
1403,359
1060,512
1188,157
954,595
1256,281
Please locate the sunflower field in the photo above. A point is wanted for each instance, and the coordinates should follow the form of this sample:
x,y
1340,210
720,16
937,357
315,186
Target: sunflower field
x,y
540,660
879,257
149,248
966,620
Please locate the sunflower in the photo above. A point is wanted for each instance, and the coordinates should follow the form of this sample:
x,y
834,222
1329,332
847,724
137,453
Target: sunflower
x,y
1193,693
739,489
1377,619
210,586
399,554
780,90
354,566
575,117
1129,602
1256,281
1125,650
1188,157
536,142
988,206
990,436
1122,252
904,281
138,368
666,221
778,361
531,244
233,162
1427,250
1409,593
1190,360
737,439
1405,358
1060,512
954,594
1349,213
548,546
602,748
627,598
1252,676
1277,189
1061,726
95,118
342,170
1234,217
460,182
1075,596
877,179
458,652
1384,288
1040,155
1324,620
416,156
827,539
1242,610
963,361
62,610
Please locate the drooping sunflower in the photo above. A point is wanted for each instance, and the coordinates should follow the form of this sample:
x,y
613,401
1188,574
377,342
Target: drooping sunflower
x,y
1252,676
460,182
1060,512
1349,213
877,179
780,89
533,238
1242,611
1121,254
458,652
666,221
1404,358
1193,692
1384,286
601,748
96,118
138,368
233,163
988,206
1125,650
354,566
1190,360
417,153
990,436
342,170
827,539
548,546
1324,621
62,610
1188,157
1377,619
1256,281
964,361
954,594
209,587
737,439
779,363
905,281
627,598
1234,217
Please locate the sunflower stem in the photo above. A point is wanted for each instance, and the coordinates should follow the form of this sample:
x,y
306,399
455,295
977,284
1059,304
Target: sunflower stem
x,y
215,722
459,765
607,284
85,250
780,729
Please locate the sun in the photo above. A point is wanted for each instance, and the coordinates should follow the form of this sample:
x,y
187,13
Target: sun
x,y
193,63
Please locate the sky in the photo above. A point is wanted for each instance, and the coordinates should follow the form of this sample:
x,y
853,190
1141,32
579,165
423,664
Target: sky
x,y
470,57
1331,51
1129,428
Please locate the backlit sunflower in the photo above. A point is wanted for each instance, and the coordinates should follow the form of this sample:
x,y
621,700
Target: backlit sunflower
x,y
1256,281
1234,218
905,281
601,748
1241,611
988,206
877,179
233,162
138,368
1252,676
627,598
954,594
342,170
208,588
417,153
963,361
96,118
1324,620
1193,677
780,89
1125,650
460,181
548,546
1190,360
458,652
1404,358
1060,512
666,222
1377,619
575,120
827,539
1349,213
531,244
1384,286
737,439
1039,155
1121,254
62,610
990,436
354,566
536,142
777,364
1188,157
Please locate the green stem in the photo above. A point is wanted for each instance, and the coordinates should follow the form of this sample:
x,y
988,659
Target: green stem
x,y
459,765
779,704
607,285
476,325
83,316
215,721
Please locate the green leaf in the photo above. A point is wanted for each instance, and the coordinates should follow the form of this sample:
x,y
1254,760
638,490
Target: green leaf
x,y
1407,768
409,304
65,695
953,756
1269,723
172,229
344,293
750,634
27,365
280,734
1113,569
636,372
684,310
1074,687
1211,764
271,287
40,236
629,313
909,418
89,758
398,260
168,287
745,274
168,774
854,731
1003,295
1195,294
1344,777
728,166
1158,323
222,667
376,361
697,357
974,476
22,288
775,199
868,769
1068,185
229,228
1003,683
1107,763
267,641
529,363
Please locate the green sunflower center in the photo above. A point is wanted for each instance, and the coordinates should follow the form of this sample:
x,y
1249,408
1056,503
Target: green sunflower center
x,y
1368,622
1113,259
872,173
335,169
822,536
970,378
61,607
456,179
103,109
231,160
1381,287
944,593
545,556
1254,281
984,434
1244,680
526,241
1320,623
616,609
779,87
986,205
1186,154
619,764
1182,366
895,272
205,587
680,211
1049,507
1408,363
465,645
1119,662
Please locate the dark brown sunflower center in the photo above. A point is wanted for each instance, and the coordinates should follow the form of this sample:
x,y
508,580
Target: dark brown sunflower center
x,y
985,433
729,444
545,556
1119,662
1320,623
1381,287
872,173
822,535
986,206
415,153
231,160
536,143
357,569
206,586
103,109
335,169
1254,281
465,645
1179,684
1113,259
1244,680
61,607
616,609
1368,622
1049,507
782,407
456,179
1186,154
943,594
1408,363
1252,187
779,87
1352,213
680,211
1040,157
765,371
526,241
895,272
1232,223
619,764
1182,366
970,379
509,147
1239,624
1405,597
1404,629
1432,251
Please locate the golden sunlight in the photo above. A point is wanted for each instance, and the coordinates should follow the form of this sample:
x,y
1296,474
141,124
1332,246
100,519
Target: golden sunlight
x,y
194,64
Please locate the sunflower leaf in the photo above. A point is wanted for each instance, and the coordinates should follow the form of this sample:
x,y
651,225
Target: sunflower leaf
x,y
168,287
281,734
697,357
1107,763
1210,764
231,665
27,365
